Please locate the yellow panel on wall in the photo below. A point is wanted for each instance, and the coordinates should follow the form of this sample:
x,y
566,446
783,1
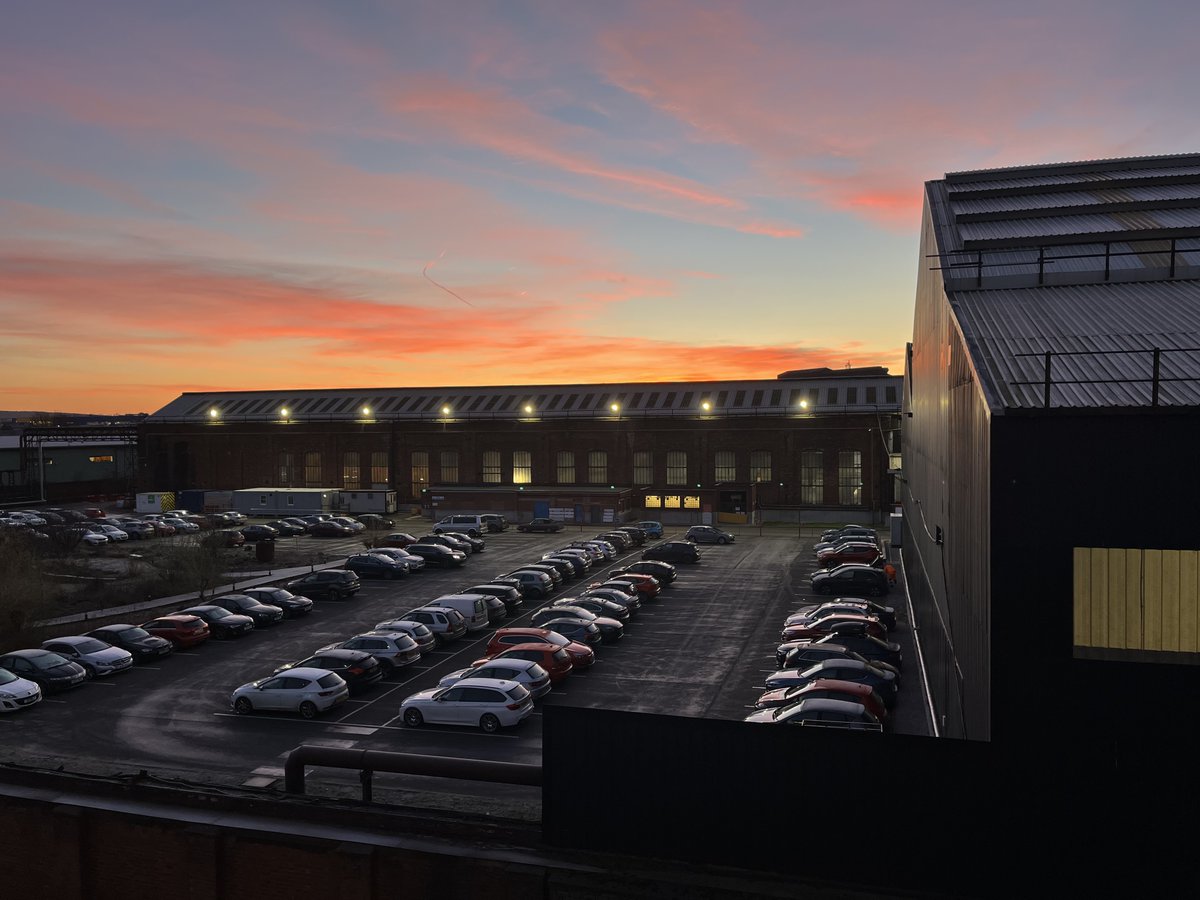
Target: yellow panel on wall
x,y
1152,600
1170,599
1083,596
1189,570
1133,598
1116,597
1099,604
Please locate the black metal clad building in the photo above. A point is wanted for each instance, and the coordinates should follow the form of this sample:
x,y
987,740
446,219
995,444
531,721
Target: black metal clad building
x,y
811,445
1052,403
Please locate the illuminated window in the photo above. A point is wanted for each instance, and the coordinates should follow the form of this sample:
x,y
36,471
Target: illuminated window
x,y
522,467
379,467
566,467
312,468
676,467
726,468
671,502
653,501
420,469
691,502
643,467
287,468
850,477
760,465
449,467
491,466
812,477
351,471
100,459
597,467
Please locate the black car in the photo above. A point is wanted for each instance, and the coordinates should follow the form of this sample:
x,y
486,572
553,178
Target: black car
x,y
850,580
360,670
49,671
259,533
673,551
868,647
437,555
884,682
532,585
541,526
619,539
615,595
329,529
292,605
885,614
509,594
369,565
599,606
572,629
663,571
221,622
263,614
328,584
376,522
459,540
494,522
569,569
138,641
496,610
577,564
639,535
287,529
608,630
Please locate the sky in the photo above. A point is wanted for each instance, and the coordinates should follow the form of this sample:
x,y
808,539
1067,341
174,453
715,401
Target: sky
x,y
216,195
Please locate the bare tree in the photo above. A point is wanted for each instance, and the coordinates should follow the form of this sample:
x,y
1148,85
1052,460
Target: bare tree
x,y
198,564
25,595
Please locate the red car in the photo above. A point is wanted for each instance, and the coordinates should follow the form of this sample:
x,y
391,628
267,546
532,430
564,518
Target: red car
x,y
582,655
398,539
554,659
827,689
849,552
181,630
822,627
646,585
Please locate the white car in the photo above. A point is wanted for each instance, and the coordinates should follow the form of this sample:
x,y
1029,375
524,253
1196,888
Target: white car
x,y
94,538
182,526
414,562
113,533
526,671
17,693
490,705
27,517
96,656
233,517
303,690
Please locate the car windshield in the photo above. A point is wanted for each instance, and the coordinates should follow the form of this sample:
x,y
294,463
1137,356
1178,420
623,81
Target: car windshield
x,y
47,660
132,634
561,655
517,693
91,645
7,677
329,681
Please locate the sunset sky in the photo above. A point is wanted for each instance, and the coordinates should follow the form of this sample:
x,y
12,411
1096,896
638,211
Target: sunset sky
x,y
232,195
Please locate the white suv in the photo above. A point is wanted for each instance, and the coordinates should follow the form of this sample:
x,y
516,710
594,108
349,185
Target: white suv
x,y
472,525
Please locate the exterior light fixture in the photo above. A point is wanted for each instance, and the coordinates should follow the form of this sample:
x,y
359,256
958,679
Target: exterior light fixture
x,y
366,410
615,407
445,410
213,413
528,408
804,404
706,406
284,412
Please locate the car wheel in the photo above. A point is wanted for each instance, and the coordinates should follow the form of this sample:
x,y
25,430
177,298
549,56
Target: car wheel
x,y
308,709
413,718
472,533
91,672
243,706
722,541
335,594
489,723
437,531
387,667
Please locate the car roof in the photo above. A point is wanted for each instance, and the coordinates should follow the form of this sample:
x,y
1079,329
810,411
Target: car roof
x,y
70,639
503,684
821,704
341,653
305,672
835,684
520,630
516,663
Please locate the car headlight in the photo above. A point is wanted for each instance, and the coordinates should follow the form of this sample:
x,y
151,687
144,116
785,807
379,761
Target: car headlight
x,y
4,695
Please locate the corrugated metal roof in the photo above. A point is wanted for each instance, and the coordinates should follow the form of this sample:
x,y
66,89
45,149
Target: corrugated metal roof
x,y
1102,323
1066,226
773,396
1082,178
1092,197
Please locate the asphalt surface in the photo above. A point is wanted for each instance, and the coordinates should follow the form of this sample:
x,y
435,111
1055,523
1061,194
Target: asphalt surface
x,y
702,649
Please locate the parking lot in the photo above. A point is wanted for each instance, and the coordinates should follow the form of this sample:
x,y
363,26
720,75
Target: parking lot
x,y
701,649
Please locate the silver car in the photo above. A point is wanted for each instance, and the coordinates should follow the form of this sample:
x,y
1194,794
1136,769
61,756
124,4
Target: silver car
x,y
413,562
96,656
393,649
481,702
526,671
415,630
446,624
303,690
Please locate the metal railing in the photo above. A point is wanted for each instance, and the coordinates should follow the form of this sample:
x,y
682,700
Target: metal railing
x,y
1156,379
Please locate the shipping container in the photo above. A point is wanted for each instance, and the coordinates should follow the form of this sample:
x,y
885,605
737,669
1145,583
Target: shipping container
x,y
282,501
366,501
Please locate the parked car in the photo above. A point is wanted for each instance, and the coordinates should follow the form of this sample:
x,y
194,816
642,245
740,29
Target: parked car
x,y
328,584
375,522
619,539
229,537
525,671
410,561
615,595
644,587
263,614
598,606
138,641
287,529
313,518
471,606
393,649
575,564
437,556
222,623
461,542
467,524
494,522
358,669
821,627
838,713
883,682
446,624
182,526
606,628
330,529
826,689
664,573
371,565
875,650
803,654
555,572
113,533
161,527
597,550
581,655
568,569
532,585
491,705
654,529
301,690
509,595
137,529
850,580
293,606
573,629
673,551
254,533
96,656
885,614
94,538
49,671
420,633
707,534
399,539
848,552
17,692
350,522
296,522
541,526
557,661
180,630
234,517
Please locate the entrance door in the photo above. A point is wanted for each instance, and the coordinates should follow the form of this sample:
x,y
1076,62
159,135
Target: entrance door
x,y
541,509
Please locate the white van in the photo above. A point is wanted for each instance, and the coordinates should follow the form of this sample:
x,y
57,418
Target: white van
x,y
472,606
472,525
